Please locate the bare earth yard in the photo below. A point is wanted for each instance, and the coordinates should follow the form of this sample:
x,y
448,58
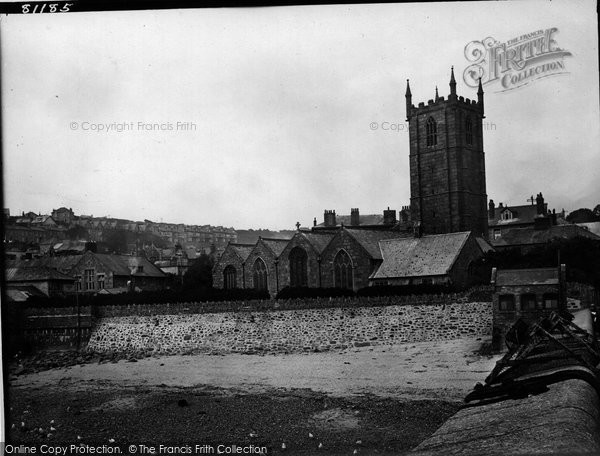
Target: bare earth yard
x,y
372,400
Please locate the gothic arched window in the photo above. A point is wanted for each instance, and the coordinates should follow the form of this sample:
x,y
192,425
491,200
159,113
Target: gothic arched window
x,y
342,270
298,267
260,274
229,278
469,130
431,129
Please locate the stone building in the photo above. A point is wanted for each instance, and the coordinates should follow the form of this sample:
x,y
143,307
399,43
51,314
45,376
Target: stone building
x,y
48,281
437,259
262,265
447,166
95,272
230,269
528,294
301,260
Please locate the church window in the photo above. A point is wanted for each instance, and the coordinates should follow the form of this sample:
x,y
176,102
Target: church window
x,y
229,278
298,267
431,130
342,271
260,275
469,130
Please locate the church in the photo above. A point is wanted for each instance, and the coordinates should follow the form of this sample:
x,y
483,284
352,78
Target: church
x,y
435,240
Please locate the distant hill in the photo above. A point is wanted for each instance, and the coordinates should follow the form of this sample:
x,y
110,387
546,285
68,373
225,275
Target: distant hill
x,y
251,236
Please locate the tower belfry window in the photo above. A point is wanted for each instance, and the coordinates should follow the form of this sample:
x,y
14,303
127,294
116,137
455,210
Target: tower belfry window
x,y
469,130
431,130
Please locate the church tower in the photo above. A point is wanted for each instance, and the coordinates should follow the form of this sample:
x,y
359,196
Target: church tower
x,y
447,165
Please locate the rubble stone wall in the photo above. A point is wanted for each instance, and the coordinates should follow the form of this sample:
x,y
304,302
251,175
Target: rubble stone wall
x,y
287,331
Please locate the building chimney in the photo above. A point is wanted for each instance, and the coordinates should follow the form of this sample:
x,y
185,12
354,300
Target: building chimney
x,y
500,206
329,218
491,210
539,201
389,216
315,221
405,214
354,217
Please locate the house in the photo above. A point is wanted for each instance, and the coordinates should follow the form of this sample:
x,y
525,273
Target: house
x,y
48,281
63,215
535,215
528,294
525,239
92,272
438,259
383,221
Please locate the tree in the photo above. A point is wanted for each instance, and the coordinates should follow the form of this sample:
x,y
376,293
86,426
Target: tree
x,y
597,211
199,274
583,215
77,232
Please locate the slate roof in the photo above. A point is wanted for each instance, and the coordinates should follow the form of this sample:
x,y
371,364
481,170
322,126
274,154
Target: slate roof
x,y
243,250
484,245
276,245
370,239
123,265
593,227
318,240
20,293
35,274
537,276
431,255
521,214
528,236
63,264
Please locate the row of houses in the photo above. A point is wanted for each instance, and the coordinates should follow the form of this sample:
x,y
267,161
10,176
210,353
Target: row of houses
x,y
36,228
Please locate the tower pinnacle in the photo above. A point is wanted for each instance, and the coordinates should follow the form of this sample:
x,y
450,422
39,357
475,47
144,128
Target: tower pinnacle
x,y
452,82
408,100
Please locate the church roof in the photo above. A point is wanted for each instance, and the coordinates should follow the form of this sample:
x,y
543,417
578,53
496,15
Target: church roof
x,y
319,240
527,236
431,255
370,239
276,245
243,250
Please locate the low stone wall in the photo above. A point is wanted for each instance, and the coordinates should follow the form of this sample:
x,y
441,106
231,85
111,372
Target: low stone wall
x,y
287,331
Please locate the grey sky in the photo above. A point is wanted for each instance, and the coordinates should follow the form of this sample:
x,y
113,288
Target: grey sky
x,y
283,99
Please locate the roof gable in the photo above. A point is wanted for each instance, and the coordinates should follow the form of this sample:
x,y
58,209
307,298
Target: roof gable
x,y
430,255
369,239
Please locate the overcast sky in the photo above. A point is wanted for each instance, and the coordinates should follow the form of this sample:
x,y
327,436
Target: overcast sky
x,y
283,100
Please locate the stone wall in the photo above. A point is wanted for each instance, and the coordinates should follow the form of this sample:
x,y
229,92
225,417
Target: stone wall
x,y
287,331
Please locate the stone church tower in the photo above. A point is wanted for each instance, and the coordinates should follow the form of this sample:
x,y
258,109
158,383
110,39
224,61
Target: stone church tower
x,y
447,165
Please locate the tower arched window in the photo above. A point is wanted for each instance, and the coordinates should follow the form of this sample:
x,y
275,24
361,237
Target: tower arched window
x,y
260,274
342,271
469,130
431,130
298,267
229,277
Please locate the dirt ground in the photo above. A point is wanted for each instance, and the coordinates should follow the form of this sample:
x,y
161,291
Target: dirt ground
x,y
369,400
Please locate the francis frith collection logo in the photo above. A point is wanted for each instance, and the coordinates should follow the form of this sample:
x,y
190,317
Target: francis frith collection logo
x,y
516,62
